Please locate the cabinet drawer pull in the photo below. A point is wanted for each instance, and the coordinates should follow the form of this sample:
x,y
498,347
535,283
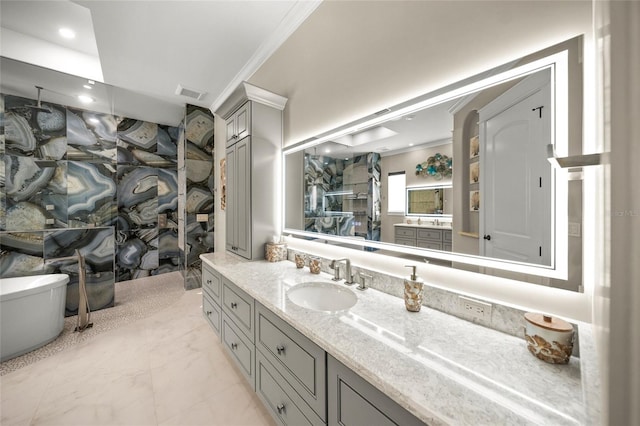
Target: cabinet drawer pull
x,y
280,349
209,282
234,305
281,408
209,312
234,346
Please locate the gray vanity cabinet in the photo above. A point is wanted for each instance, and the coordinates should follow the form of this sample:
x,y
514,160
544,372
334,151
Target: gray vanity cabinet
x,y
237,331
252,165
297,360
211,290
355,402
429,238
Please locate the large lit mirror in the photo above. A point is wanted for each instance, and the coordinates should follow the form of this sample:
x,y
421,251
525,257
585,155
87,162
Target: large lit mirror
x,y
458,177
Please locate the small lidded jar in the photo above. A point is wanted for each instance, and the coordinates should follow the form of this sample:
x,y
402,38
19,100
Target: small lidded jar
x,y
549,339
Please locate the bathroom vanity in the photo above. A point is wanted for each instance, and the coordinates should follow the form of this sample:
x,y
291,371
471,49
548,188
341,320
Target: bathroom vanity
x,y
376,362
434,237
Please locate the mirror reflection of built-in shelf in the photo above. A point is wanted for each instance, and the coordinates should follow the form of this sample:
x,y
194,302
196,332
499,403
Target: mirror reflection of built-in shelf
x,y
469,234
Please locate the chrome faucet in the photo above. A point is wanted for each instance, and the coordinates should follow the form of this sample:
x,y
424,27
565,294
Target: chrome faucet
x,y
363,281
348,279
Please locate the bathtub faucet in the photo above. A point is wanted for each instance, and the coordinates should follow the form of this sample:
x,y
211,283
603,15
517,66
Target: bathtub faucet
x,y
84,311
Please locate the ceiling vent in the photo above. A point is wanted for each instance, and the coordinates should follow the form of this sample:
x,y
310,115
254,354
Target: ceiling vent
x,y
190,93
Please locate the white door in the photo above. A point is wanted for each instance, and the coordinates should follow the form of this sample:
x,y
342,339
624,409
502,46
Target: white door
x,y
516,178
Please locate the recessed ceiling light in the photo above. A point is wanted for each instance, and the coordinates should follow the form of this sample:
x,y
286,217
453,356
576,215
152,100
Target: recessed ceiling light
x,y
410,144
85,99
94,120
86,86
67,33
91,82
327,150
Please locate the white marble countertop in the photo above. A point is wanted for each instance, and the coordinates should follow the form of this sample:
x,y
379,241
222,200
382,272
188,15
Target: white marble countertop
x,y
442,369
423,225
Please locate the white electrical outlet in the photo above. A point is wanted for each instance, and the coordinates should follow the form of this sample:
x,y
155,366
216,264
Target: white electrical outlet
x,y
475,309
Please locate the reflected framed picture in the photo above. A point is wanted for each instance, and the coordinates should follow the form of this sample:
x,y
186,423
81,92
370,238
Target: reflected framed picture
x,y
223,184
474,172
474,147
474,201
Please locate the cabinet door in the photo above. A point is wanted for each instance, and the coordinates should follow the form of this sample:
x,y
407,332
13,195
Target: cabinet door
x,y
231,131
243,198
243,120
242,351
211,283
212,313
239,198
232,196
285,405
353,401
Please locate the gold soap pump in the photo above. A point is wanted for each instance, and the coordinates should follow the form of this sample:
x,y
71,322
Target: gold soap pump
x,y
413,291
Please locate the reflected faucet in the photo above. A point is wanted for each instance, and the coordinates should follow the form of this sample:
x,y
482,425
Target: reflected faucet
x,y
348,279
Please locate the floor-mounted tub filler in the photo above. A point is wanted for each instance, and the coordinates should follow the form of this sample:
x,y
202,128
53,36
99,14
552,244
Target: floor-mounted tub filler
x,y
31,312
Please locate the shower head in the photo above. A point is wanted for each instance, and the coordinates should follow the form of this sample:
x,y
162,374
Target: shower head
x,y
34,108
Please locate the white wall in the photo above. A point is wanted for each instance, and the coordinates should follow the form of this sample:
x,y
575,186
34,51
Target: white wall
x,y
350,59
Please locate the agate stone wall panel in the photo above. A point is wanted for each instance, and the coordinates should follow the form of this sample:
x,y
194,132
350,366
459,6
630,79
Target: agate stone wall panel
x,y
32,131
78,179
21,254
91,136
137,197
137,253
199,171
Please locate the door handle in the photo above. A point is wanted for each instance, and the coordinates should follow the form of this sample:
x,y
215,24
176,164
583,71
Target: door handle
x,y
487,237
280,349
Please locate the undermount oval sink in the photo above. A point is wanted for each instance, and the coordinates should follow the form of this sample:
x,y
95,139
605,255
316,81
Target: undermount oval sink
x,y
322,296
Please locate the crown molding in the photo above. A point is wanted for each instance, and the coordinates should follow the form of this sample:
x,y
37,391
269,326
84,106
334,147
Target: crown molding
x,y
247,91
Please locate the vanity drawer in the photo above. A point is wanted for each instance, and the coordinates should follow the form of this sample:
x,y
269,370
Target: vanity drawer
x,y
406,242
446,236
354,401
239,306
211,282
429,245
446,246
430,234
300,361
406,232
240,349
280,398
211,312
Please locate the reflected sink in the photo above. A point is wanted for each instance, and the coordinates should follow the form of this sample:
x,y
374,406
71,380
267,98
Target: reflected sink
x,y
322,296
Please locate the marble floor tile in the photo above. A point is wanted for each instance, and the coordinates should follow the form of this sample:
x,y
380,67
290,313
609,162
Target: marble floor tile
x,y
161,368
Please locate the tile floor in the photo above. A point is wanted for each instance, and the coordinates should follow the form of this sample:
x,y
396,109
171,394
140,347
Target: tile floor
x,y
166,368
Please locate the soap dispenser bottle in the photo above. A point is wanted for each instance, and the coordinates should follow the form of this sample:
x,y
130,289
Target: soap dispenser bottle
x,y
413,291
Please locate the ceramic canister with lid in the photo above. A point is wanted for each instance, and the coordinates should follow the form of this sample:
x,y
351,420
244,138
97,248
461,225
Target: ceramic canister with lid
x,y
549,339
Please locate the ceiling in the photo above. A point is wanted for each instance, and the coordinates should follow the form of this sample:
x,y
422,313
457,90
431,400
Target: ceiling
x,y
143,49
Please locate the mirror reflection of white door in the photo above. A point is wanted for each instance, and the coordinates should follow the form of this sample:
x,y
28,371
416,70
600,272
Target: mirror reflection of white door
x,y
516,179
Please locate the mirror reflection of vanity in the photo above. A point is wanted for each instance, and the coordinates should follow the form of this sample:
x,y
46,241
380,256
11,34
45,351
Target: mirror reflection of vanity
x,y
501,205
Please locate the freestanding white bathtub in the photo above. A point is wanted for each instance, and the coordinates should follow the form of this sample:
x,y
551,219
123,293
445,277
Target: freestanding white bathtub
x,y
31,312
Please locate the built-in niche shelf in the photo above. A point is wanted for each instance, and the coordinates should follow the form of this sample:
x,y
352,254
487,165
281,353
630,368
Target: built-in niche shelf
x,y
469,234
